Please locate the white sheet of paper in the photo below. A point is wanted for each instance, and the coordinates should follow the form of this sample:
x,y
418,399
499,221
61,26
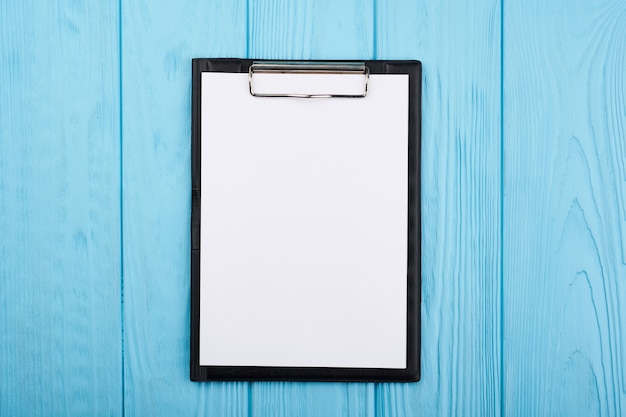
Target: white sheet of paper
x,y
303,244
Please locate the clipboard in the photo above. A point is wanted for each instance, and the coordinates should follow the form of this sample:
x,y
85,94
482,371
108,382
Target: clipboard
x,y
305,221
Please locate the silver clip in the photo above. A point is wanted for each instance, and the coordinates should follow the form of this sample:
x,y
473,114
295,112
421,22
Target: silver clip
x,y
304,67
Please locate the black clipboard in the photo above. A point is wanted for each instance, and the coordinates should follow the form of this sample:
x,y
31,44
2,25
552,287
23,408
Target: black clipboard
x,y
364,79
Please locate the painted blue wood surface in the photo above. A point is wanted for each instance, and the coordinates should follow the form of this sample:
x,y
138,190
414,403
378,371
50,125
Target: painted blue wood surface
x,y
60,323
524,203
159,39
459,44
565,208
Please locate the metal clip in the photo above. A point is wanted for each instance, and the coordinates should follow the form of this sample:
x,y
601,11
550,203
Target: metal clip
x,y
303,67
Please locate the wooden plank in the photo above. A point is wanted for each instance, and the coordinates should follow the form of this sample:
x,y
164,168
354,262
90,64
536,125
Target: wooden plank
x,y
565,207
285,399
459,46
60,322
308,29
311,30
159,39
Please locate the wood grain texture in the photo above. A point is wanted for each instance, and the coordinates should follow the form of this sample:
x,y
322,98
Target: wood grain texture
x,y
311,30
159,40
60,332
565,207
459,45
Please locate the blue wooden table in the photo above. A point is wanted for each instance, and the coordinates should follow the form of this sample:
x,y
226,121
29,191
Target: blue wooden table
x,y
523,198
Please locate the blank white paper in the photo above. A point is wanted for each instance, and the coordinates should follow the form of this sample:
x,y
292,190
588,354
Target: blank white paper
x,y
303,244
